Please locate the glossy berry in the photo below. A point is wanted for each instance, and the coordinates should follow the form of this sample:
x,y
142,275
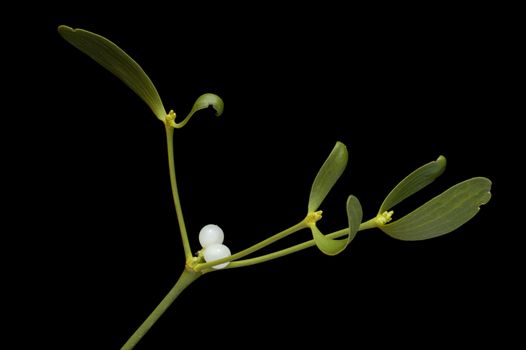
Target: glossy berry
x,y
215,252
211,234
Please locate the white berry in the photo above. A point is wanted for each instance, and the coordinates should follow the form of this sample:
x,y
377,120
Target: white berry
x,y
215,252
211,234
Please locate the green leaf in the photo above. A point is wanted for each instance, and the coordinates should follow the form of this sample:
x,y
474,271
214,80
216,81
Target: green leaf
x,y
354,215
328,245
444,213
202,102
327,176
114,59
331,246
413,183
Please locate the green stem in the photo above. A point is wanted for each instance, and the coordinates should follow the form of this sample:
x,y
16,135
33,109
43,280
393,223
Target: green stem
x,y
372,223
299,226
187,277
257,260
175,192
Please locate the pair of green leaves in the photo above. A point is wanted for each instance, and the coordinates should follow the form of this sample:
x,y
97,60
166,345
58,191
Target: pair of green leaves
x,y
120,64
439,216
329,173
442,214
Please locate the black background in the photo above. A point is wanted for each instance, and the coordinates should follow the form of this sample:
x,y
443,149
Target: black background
x,y
100,232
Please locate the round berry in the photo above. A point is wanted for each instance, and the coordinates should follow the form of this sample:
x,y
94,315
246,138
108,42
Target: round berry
x,y
215,252
211,234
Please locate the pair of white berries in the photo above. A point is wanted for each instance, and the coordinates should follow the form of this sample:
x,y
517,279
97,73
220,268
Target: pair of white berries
x,y
211,239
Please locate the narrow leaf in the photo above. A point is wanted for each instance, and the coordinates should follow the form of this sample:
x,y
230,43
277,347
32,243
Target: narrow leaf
x,y
202,102
354,215
444,213
414,182
327,176
114,59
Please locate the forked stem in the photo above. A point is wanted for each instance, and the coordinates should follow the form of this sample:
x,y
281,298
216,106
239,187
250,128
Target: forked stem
x,y
296,248
299,226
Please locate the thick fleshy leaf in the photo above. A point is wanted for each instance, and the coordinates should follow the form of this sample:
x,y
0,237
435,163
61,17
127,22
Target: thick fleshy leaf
x,y
202,102
327,176
114,59
354,215
413,183
331,246
444,213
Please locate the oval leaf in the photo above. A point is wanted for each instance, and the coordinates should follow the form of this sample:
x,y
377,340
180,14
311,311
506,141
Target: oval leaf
x,y
444,213
202,102
354,215
327,176
413,183
114,59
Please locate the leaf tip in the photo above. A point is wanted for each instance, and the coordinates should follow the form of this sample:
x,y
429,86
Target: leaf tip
x,y
341,151
213,100
341,145
219,107
441,161
64,29
487,196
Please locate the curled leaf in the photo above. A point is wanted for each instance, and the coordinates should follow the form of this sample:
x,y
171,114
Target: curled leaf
x,y
444,213
331,246
354,216
329,173
413,183
202,102
114,59
328,245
